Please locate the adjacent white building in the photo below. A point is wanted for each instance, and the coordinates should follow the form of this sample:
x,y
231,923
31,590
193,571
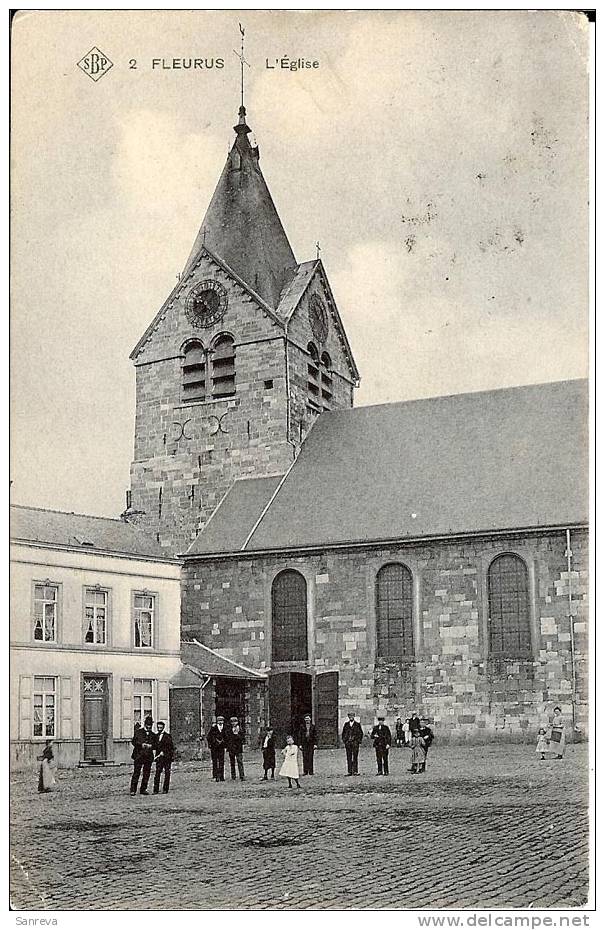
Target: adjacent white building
x,y
94,634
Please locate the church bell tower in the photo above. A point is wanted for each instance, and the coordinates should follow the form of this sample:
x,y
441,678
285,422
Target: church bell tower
x,y
243,355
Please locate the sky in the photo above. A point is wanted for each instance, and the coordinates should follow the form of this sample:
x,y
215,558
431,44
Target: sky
x,y
440,158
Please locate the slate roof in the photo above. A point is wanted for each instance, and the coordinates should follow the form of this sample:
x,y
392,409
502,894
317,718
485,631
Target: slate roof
x,y
82,531
514,458
242,227
237,513
201,659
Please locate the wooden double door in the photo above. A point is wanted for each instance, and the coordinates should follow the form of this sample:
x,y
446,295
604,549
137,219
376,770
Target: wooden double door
x,y
294,694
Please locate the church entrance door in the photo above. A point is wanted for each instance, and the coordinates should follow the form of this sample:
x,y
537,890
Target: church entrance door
x,y
326,709
290,698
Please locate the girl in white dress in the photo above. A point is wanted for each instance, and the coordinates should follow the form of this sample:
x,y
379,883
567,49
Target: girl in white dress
x,y
289,767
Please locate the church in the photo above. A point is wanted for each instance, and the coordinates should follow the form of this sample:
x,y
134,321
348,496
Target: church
x,y
427,555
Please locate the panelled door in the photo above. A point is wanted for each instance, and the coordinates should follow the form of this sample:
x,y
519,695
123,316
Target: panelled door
x,y
326,709
95,716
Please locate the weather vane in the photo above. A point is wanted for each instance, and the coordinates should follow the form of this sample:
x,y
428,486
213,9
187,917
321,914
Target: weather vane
x,y
242,60
318,247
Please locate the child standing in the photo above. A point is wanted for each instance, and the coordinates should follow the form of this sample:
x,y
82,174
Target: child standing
x,y
289,767
46,778
268,750
418,753
542,744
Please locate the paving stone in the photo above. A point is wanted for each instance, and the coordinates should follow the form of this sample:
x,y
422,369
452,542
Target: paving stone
x,y
473,832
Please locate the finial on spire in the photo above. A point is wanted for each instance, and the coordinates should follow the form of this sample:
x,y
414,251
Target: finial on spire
x,y
242,61
318,247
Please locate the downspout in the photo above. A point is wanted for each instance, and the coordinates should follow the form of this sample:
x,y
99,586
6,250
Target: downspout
x,y
572,642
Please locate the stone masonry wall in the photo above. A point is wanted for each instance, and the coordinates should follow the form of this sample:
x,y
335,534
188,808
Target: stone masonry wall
x,y
451,678
187,455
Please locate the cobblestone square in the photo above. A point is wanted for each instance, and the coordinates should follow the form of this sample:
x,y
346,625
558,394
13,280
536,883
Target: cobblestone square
x,y
485,827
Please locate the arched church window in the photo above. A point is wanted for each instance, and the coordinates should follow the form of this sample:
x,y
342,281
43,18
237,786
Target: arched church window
x,y
289,617
508,597
326,381
394,612
223,367
194,372
313,378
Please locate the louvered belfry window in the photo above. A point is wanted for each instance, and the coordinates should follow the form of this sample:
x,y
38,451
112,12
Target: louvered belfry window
x,y
289,617
508,594
223,367
394,612
194,372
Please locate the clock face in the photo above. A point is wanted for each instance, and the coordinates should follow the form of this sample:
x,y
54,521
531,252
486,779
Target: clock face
x,y
318,318
206,304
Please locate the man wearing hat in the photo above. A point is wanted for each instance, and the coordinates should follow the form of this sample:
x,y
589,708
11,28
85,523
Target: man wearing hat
x,y
235,748
381,738
143,741
427,736
217,741
352,735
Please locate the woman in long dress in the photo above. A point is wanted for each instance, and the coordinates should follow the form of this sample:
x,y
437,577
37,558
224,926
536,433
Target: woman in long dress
x,y
289,767
557,733
46,778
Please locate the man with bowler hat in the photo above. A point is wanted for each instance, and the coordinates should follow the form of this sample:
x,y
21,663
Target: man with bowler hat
x,y
217,741
143,742
352,735
381,738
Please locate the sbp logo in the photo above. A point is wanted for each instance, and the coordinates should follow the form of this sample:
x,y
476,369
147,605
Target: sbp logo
x,y
95,64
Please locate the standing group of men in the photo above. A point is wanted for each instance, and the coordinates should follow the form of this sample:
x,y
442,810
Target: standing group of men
x,y
221,738
420,737
149,747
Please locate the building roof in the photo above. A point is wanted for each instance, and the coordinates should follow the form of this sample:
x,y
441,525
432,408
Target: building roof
x,y
82,531
242,226
230,524
201,659
508,459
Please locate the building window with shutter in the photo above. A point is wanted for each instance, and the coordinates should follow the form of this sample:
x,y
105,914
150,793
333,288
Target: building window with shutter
x,y
46,602
142,699
509,621
44,707
289,617
194,372
144,610
223,367
394,612
326,381
313,379
96,602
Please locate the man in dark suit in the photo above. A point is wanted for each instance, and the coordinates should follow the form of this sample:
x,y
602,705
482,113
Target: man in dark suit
x,y
143,742
217,741
235,748
164,757
307,742
352,735
381,737
428,736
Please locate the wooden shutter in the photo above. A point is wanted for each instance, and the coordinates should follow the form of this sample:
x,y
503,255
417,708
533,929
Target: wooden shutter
x,y
163,702
25,707
65,717
127,716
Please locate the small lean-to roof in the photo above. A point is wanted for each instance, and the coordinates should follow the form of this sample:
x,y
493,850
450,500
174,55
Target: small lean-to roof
x,y
200,658
231,522
508,459
82,531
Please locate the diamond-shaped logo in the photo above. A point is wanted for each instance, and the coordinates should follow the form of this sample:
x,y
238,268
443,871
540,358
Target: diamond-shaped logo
x,y
95,64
